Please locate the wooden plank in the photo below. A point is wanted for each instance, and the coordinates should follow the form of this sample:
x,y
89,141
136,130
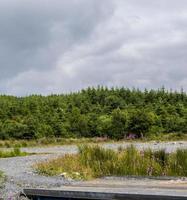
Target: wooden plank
x,y
37,194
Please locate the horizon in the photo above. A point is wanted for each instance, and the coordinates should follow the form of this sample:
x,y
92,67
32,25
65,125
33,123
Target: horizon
x,y
166,90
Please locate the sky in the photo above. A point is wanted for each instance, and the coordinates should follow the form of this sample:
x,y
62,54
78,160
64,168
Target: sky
x,y
60,46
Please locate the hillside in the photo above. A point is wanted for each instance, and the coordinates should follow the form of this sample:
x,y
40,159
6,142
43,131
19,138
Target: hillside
x,y
94,112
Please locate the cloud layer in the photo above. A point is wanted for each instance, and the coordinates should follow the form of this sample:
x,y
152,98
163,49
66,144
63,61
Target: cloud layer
x,y
60,46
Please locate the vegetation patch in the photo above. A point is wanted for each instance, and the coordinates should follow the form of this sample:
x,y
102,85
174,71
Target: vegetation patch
x,y
12,153
2,179
94,161
12,143
114,113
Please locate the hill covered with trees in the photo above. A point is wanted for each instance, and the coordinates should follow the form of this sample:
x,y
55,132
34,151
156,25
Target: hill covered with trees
x,y
94,112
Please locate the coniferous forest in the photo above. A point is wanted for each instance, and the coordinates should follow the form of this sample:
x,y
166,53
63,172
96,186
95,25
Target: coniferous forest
x,y
94,112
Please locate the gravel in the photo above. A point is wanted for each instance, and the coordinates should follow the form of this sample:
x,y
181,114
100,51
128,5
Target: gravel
x,y
20,173
168,146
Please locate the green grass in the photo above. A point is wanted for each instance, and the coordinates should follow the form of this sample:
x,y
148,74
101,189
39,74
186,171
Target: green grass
x,y
2,179
94,161
71,141
50,142
168,137
13,153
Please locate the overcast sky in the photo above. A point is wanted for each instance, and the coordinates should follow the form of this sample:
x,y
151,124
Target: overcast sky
x,y
55,46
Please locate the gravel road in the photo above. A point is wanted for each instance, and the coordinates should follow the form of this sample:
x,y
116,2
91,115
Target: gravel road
x,y
20,174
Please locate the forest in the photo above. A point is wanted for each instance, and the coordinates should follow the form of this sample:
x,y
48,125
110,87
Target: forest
x,y
114,113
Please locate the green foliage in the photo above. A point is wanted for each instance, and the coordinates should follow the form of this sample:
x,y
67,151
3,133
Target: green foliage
x,y
178,163
119,124
104,123
94,112
13,153
95,161
141,121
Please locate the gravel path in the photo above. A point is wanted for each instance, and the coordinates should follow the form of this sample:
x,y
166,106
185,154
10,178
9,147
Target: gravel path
x,y
21,175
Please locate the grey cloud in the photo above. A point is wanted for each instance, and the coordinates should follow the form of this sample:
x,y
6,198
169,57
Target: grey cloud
x,y
67,45
34,33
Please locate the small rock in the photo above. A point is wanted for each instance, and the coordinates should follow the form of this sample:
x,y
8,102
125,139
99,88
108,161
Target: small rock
x,y
64,174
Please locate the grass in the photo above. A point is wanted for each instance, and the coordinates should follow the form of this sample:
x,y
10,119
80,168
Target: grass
x,y
168,137
71,141
2,179
50,142
13,153
94,161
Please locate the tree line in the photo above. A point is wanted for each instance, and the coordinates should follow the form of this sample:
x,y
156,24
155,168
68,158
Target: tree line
x,y
94,112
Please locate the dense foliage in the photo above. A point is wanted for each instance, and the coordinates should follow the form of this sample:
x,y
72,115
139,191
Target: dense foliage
x,y
94,112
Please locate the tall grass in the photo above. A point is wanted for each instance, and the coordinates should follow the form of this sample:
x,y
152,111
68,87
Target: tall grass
x,y
178,163
95,161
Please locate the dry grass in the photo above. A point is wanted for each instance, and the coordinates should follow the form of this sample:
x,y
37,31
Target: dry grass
x,y
67,166
50,142
77,141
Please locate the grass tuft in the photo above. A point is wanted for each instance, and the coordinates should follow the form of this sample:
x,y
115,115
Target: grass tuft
x,y
2,179
13,153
